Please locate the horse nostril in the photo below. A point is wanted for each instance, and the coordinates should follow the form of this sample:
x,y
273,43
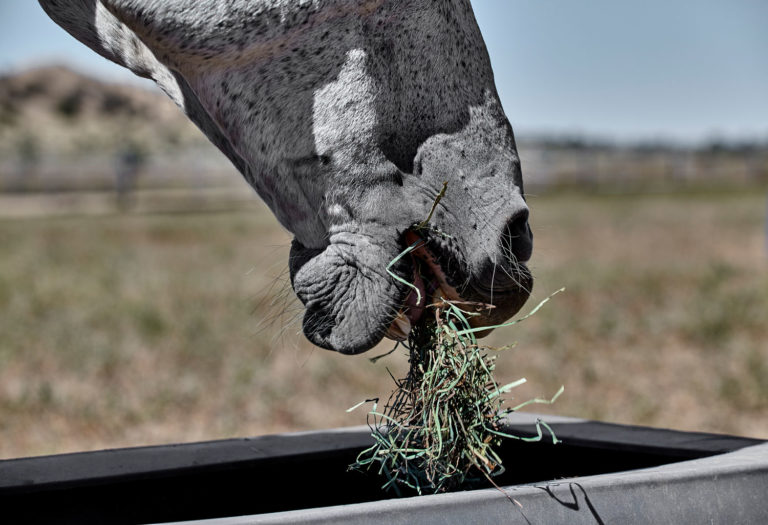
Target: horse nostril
x,y
516,238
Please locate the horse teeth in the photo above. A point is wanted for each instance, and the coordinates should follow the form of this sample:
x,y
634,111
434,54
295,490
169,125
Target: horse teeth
x,y
403,323
400,327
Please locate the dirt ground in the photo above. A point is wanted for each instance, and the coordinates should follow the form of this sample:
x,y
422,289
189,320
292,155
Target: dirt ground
x,y
147,328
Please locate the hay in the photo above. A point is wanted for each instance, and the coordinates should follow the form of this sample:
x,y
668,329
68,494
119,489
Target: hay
x,y
442,426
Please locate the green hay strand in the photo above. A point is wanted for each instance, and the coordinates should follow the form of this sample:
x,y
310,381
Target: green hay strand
x,y
423,224
400,279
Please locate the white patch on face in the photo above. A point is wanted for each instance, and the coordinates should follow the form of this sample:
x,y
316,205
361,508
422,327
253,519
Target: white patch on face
x,y
344,116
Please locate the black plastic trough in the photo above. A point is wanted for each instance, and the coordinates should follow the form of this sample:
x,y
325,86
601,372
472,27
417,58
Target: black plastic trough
x,y
600,473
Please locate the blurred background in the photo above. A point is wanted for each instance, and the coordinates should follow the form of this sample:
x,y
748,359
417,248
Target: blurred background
x,y
143,286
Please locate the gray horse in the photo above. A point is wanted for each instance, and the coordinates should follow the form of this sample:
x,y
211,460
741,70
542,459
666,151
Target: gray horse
x,y
346,117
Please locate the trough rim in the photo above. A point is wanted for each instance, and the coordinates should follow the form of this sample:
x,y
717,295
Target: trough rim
x,y
693,491
733,471
24,475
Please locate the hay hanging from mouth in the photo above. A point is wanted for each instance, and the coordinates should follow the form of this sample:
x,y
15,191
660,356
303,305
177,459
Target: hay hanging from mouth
x,y
441,427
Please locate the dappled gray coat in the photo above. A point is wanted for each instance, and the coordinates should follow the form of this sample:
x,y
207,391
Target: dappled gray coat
x,y
346,116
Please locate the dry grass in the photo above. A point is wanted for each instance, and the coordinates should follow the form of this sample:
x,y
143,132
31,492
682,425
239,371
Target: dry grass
x,y
139,329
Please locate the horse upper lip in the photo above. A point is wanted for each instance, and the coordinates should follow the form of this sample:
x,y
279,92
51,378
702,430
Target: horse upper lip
x,y
501,281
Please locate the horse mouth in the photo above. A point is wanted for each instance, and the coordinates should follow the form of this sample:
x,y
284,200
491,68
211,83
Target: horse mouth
x,y
437,276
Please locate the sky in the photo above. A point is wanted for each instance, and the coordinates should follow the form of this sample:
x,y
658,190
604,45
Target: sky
x,y
683,70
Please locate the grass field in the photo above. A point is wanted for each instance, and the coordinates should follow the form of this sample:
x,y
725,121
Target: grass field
x,y
138,329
